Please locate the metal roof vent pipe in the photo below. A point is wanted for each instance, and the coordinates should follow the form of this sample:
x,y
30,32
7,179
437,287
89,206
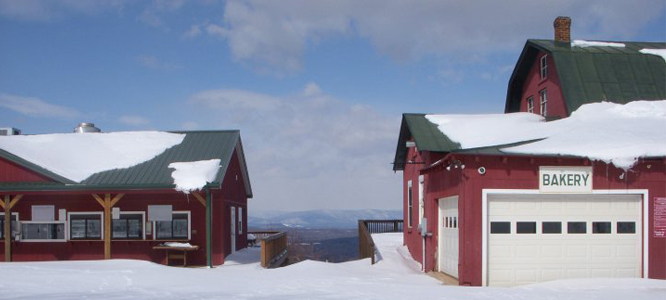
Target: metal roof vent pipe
x,y
86,127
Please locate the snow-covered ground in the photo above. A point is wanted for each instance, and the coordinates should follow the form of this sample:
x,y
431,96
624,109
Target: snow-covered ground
x,y
394,277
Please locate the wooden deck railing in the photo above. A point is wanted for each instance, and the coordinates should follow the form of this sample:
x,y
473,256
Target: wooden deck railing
x,y
366,246
273,247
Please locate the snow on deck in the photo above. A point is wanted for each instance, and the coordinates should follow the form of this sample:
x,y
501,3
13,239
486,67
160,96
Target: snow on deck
x,y
241,277
609,132
76,156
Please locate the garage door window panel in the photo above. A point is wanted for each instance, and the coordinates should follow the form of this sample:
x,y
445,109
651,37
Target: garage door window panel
x,y
576,227
500,227
526,227
551,227
626,227
601,227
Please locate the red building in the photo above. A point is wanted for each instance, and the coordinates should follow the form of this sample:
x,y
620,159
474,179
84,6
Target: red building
x,y
495,216
123,211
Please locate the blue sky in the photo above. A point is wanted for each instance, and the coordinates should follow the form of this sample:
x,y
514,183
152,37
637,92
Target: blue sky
x,y
317,88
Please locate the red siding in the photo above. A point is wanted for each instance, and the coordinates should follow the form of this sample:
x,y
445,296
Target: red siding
x,y
231,192
533,84
11,172
513,173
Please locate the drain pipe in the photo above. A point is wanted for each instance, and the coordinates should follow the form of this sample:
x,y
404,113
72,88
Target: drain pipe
x,y
209,227
424,233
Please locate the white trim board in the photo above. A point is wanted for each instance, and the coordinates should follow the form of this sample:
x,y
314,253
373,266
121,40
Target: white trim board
x,y
484,221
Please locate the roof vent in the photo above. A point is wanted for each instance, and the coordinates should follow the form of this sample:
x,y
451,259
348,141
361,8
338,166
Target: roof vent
x,y
86,127
9,131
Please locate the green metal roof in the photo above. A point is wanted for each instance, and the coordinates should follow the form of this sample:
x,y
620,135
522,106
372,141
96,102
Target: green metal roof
x,y
594,74
154,173
426,135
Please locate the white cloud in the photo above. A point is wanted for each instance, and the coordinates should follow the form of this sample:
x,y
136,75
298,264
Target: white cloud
x,y
154,63
276,34
133,120
46,10
36,107
309,149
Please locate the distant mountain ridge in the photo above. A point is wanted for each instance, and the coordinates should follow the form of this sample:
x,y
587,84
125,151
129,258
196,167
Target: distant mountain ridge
x,y
317,218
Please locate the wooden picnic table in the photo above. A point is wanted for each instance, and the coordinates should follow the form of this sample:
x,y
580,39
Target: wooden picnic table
x,y
181,252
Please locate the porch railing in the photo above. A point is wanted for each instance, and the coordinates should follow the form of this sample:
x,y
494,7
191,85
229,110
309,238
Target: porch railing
x,y
366,246
273,247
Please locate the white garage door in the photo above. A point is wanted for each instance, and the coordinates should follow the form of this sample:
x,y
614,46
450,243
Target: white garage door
x,y
448,235
535,238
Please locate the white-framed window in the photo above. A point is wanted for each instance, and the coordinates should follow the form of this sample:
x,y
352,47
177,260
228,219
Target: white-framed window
x,y
410,204
240,220
86,225
530,104
544,66
43,227
176,229
543,100
129,226
14,227
421,198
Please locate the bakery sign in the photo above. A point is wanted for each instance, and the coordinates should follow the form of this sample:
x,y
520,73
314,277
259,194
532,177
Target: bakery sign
x,y
565,180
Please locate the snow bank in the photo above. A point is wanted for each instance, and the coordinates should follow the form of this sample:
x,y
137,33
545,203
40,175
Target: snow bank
x,y
76,156
613,133
241,277
193,175
658,52
583,44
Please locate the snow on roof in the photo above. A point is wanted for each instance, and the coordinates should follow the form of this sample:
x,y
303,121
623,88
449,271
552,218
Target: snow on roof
x,y
609,132
658,52
193,175
583,44
76,156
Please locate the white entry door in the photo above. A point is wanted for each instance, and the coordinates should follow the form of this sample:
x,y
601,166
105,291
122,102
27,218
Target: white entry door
x,y
448,236
535,238
233,228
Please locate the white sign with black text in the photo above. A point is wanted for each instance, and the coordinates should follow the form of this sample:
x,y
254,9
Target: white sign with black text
x,y
565,180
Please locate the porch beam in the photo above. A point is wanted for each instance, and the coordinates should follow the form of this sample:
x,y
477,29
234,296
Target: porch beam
x,y
200,198
107,203
7,204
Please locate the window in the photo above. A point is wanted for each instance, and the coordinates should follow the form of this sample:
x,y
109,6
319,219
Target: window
x,y
576,227
128,226
43,227
601,227
543,109
410,204
525,227
500,227
626,227
240,220
421,199
455,222
85,225
38,231
530,104
544,67
13,227
551,227
177,228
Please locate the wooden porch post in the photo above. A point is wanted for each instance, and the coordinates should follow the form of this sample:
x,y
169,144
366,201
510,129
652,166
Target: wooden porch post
x,y
8,205
107,203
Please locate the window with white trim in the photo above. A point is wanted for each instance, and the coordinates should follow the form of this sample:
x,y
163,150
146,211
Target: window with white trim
x,y
543,97
410,204
178,228
43,227
240,220
129,225
85,225
530,104
14,227
421,198
544,67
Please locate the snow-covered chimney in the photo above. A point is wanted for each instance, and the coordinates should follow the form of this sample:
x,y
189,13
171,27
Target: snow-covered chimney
x,y
562,29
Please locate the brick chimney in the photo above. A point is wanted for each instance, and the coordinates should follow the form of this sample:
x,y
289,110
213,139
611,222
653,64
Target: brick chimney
x,y
562,29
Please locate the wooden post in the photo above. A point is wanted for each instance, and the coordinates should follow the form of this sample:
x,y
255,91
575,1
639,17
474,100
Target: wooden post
x,y
107,203
8,205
